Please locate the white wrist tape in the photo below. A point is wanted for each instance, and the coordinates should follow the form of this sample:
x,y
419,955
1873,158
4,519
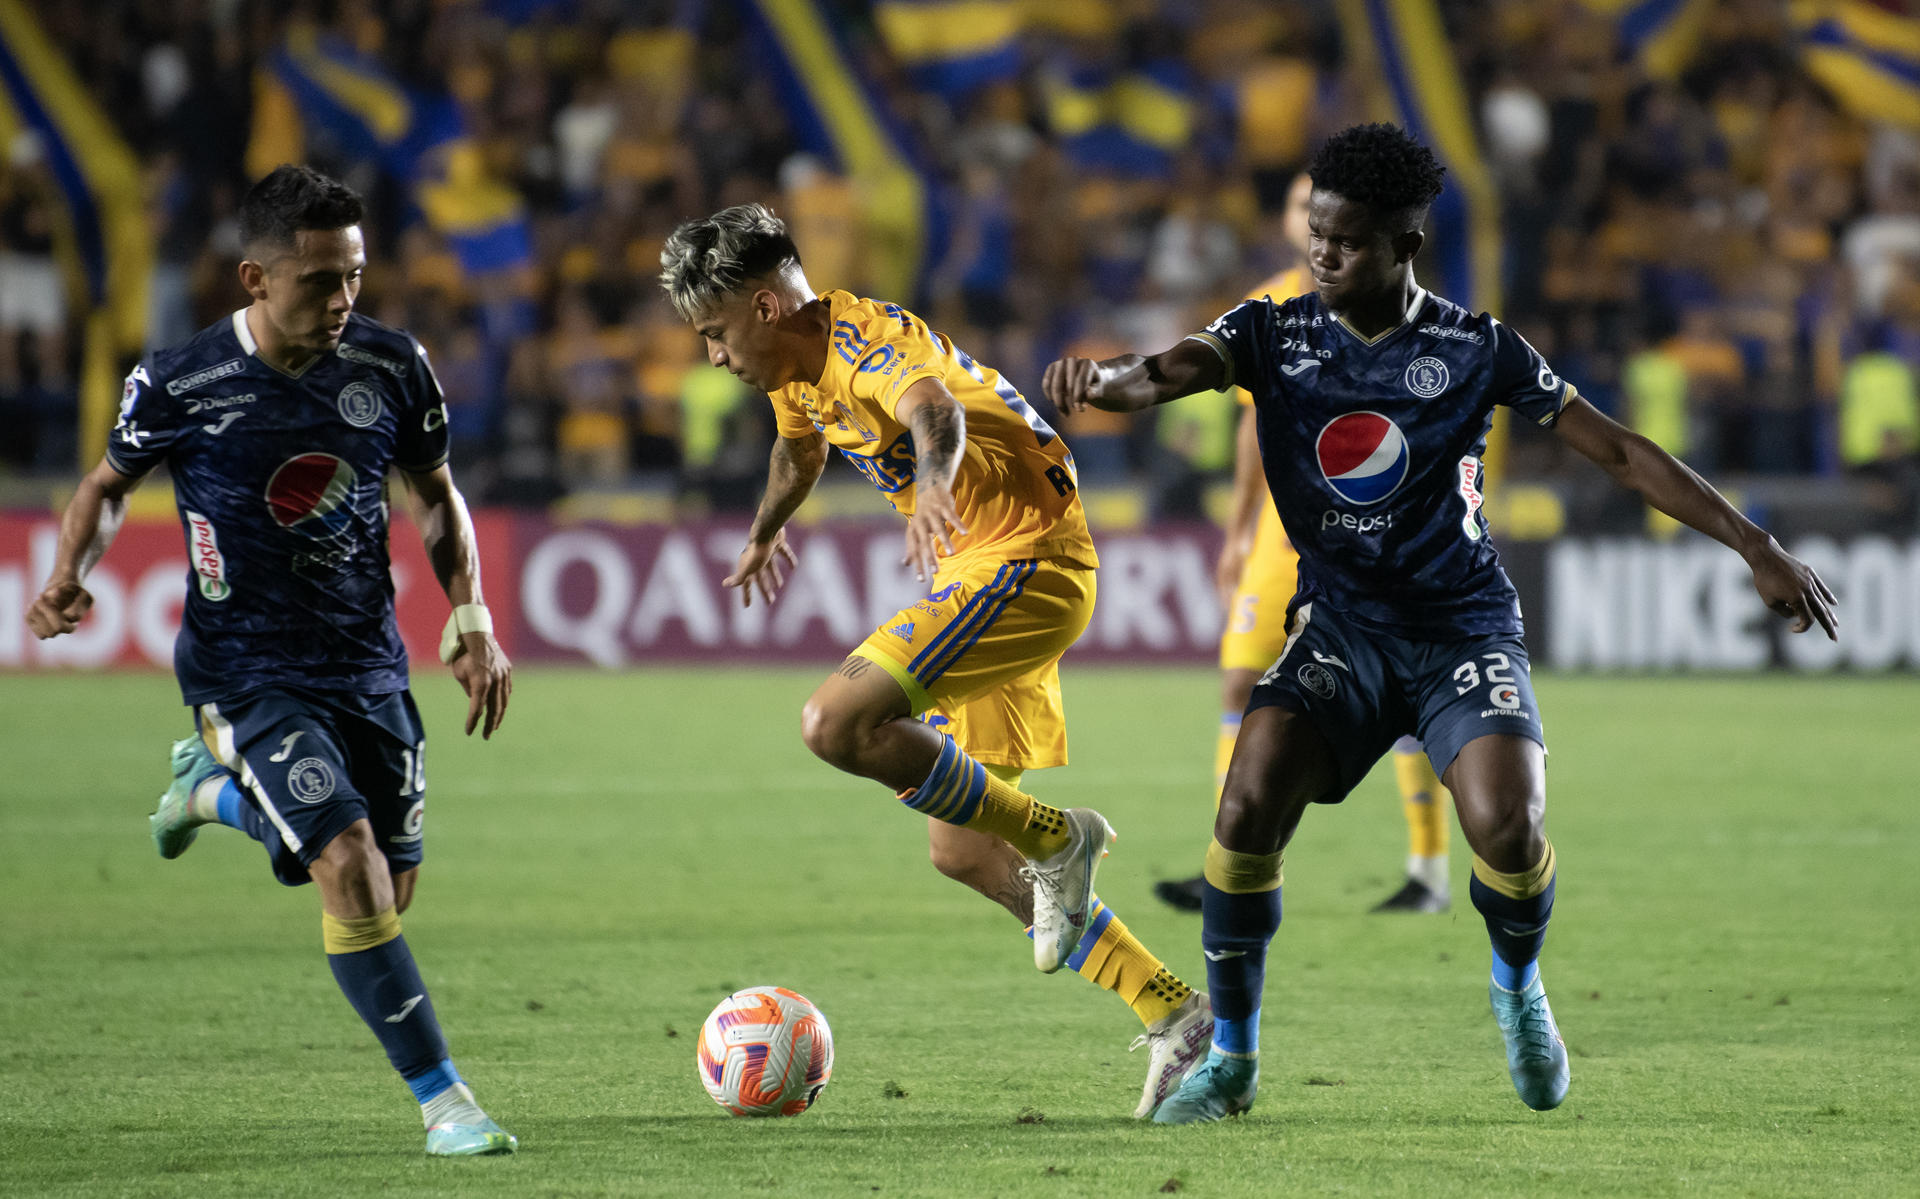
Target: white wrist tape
x,y
466,618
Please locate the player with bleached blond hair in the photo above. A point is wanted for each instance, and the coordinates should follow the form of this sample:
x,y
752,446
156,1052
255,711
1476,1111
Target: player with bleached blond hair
x,y
995,529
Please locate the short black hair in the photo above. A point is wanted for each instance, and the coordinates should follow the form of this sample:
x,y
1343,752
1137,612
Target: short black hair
x,y
1381,166
292,198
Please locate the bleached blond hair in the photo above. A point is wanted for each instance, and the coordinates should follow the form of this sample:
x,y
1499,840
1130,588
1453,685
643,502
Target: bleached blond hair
x,y
706,260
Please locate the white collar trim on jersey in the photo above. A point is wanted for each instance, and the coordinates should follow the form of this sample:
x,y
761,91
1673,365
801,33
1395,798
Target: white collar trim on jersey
x,y
252,347
1413,310
245,334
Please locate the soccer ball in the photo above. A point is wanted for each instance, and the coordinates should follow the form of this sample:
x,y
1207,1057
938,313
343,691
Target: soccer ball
x,y
765,1051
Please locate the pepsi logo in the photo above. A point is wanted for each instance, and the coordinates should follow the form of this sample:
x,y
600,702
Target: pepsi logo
x,y
1363,456
312,495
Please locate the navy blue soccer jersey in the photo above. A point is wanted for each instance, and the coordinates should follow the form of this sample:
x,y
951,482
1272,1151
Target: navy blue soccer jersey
x,y
1372,450
281,484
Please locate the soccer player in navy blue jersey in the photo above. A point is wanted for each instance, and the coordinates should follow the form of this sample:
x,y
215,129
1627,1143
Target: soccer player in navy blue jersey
x,y
278,426
1373,400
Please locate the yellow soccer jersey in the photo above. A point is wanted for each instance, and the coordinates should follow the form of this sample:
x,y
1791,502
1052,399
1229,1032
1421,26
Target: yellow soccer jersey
x,y
1015,490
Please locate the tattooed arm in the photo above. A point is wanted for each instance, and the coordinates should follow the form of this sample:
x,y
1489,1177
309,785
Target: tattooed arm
x,y
939,427
791,473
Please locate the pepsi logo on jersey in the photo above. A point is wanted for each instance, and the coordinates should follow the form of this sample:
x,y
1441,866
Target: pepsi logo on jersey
x,y
312,495
1363,457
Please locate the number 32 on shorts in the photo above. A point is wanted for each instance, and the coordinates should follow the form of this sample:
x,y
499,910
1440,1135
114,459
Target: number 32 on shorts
x,y
1503,692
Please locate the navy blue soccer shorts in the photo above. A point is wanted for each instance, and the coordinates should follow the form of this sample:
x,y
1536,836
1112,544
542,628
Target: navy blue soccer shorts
x,y
1364,690
314,762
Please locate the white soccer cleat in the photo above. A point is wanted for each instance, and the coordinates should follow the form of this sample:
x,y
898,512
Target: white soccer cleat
x,y
1063,888
1174,1046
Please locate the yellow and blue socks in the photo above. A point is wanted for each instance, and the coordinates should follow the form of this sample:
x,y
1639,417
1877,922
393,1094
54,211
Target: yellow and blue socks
x,y
1516,908
961,791
375,969
1112,958
1424,802
1239,914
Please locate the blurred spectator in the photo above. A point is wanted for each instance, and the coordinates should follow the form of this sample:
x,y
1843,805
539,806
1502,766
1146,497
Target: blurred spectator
x,y
1655,383
36,394
589,366
1721,252
1879,412
1195,443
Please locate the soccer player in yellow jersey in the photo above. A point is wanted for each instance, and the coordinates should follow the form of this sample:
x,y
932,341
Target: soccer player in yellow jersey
x,y
1256,574
995,528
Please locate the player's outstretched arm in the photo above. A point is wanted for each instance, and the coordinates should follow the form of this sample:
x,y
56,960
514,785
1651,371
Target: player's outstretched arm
x,y
1130,383
938,423
1789,587
478,662
792,471
87,528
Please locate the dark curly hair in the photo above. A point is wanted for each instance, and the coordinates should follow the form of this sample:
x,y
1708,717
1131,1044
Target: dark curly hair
x,y
292,198
1380,166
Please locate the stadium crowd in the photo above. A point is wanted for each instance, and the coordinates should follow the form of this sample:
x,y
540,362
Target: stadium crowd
x,y
1729,260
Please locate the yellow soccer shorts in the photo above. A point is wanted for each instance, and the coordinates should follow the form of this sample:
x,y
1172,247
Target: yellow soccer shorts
x,y
1257,618
979,657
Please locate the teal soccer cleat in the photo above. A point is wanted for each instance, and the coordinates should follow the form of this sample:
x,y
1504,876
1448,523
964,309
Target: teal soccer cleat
x,y
1536,1056
470,1140
173,825
1220,1087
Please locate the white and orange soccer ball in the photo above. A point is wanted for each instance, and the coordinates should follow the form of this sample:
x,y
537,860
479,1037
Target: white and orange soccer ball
x,y
765,1051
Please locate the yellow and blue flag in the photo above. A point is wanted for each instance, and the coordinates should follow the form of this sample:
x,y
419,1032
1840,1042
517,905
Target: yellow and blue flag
x,y
103,238
1660,36
1867,57
837,113
417,137
953,46
1402,47
1132,122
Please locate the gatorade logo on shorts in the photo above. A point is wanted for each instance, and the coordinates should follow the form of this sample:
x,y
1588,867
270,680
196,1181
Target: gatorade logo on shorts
x,y
1363,457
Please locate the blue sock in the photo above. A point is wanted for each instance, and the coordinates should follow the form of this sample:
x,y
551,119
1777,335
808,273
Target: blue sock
x,y
233,809
1235,931
228,803
426,1085
1517,928
382,983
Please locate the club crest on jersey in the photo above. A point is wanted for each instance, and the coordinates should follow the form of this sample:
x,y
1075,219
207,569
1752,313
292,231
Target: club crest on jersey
x,y
359,405
1426,377
312,495
1363,456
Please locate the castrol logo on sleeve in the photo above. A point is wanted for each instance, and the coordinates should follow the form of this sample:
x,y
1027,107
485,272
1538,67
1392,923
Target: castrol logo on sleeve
x,y
1363,456
204,550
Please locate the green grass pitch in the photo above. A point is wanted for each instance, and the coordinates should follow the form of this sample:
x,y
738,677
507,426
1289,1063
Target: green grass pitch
x,y
1733,961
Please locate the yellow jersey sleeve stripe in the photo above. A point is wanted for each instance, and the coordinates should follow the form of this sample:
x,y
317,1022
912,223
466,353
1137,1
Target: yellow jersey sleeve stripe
x,y
1220,348
1567,395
